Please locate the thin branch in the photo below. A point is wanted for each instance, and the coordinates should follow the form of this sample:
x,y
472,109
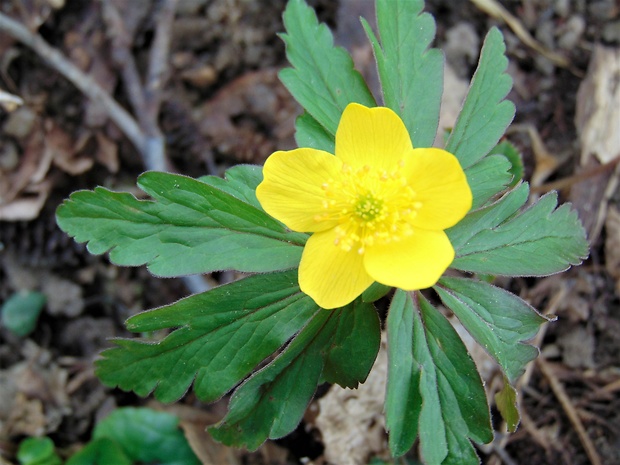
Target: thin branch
x,y
124,60
155,78
151,145
145,99
158,59
579,177
567,405
83,82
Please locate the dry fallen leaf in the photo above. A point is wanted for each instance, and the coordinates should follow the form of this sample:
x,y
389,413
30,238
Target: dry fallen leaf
x,y
598,121
351,421
612,244
598,106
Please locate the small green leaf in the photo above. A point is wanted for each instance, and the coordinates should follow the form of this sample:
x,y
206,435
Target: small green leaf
x,y
222,335
539,241
485,114
240,181
354,347
37,451
513,155
403,401
487,178
411,74
21,311
147,436
433,388
499,321
309,133
192,227
102,451
375,292
506,401
322,78
488,217
451,389
271,403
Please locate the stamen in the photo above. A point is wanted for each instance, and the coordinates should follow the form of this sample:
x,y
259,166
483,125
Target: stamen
x,y
373,206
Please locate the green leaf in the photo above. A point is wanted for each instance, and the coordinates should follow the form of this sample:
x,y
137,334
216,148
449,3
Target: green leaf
x,y
451,389
487,178
147,436
309,133
21,311
403,401
375,292
538,242
271,403
411,74
499,321
101,451
240,181
37,451
322,78
513,155
222,335
192,227
354,347
488,217
506,401
485,114
433,388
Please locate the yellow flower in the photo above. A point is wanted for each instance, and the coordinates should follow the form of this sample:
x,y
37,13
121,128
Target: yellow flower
x,y
378,209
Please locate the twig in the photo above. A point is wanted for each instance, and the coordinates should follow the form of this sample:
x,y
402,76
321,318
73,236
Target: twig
x,y
145,99
158,59
121,43
496,10
150,146
155,78
83,82
579,177
573,416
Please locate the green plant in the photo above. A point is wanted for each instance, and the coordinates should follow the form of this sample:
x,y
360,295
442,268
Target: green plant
x,y
21,311
220,337
127,436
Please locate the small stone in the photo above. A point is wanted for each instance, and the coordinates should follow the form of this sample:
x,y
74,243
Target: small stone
x,y
462,47
20,122
571,32
562,8
9,156
611,32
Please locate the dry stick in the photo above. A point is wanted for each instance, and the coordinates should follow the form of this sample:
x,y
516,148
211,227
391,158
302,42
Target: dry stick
x,y
573,416
158,59
83,82
144,99
155,78
121,43
579,177
93,91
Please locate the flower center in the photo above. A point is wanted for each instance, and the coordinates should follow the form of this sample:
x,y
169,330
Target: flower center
x,y
370,206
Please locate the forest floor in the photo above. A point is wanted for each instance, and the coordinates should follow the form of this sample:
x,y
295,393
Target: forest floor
x,y
221,105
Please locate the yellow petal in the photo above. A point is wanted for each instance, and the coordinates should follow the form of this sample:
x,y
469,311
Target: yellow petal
x,y
416,262
374,137
291,188
441,188
331,276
